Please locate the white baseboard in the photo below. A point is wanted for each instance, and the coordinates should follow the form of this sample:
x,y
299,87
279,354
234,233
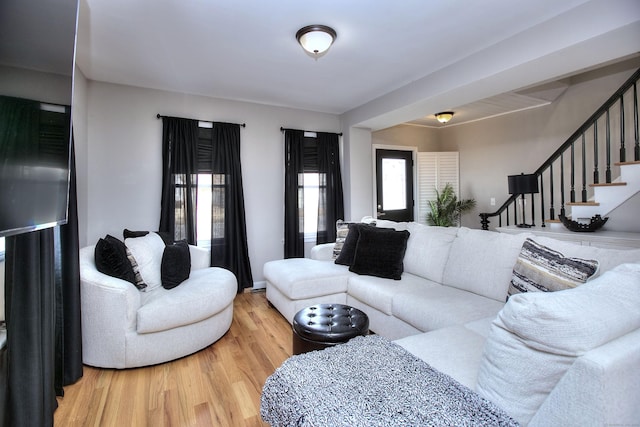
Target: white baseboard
x,y
260,285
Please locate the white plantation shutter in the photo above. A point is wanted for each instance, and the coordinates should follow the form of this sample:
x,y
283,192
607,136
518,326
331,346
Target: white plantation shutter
x,y
435,170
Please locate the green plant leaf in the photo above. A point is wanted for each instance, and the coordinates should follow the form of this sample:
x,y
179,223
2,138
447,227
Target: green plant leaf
x,y
446,209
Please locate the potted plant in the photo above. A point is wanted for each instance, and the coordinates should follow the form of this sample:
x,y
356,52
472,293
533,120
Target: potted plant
x,y
446,209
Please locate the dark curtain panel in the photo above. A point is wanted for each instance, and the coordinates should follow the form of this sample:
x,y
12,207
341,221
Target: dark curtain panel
x,y
30,307
67,275
293,194
229,247
331,201
179,178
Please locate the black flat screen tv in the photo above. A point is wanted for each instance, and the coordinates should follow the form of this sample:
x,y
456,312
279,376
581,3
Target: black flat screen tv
x,y
37,59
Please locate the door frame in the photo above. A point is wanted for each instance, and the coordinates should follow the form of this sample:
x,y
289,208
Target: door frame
x,y
414,158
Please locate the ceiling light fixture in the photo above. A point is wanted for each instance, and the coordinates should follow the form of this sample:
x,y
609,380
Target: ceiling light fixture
x,y
316,39
444,117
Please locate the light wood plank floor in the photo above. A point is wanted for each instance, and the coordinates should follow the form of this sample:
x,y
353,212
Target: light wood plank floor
x,y
218,386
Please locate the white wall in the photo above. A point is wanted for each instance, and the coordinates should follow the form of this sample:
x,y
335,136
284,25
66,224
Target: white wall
x,y
357,173
423,138
124,152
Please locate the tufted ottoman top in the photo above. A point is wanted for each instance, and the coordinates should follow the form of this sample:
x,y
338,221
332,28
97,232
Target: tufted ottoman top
x,y
330,323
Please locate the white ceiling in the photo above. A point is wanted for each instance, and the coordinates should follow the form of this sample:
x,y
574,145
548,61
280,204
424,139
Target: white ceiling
x,y
246,49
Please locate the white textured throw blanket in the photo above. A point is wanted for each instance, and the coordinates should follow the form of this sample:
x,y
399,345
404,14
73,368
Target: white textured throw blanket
x,y
370,381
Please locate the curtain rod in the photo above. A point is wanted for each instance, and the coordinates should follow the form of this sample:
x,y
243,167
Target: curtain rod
x,y
282,129
159,116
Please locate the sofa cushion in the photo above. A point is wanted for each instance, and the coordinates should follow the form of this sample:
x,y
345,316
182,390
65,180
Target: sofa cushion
x,y
540,268
110,256
441,349
378,292
538,335
300,278
176,264
482,262
147,251
440,306
428,250
380,252
207,292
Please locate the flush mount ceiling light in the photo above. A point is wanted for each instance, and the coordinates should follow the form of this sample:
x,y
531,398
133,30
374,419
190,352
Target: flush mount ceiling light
x,y
444,117
316,39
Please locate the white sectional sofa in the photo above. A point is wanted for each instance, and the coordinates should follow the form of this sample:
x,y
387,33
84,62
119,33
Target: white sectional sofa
x,y
548,358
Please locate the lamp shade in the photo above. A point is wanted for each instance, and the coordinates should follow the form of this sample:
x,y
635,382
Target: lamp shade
x,y
523,184
316,39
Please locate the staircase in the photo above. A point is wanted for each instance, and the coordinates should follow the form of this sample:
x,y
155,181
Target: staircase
x,y
608,196
592,173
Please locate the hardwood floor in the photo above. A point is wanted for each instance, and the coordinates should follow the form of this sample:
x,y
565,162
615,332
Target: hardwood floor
x,y
218,386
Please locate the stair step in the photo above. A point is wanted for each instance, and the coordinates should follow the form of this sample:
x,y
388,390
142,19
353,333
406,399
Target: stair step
x,y
608,184
552,221
627,163
583,204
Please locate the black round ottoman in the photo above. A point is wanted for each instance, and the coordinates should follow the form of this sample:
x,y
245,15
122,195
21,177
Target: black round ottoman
x,y
324,325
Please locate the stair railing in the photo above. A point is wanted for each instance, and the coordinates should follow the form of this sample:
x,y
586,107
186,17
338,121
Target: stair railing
x,y
586,145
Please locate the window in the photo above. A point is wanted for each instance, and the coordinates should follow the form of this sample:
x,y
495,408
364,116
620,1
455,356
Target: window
x,y
209,197
210,208
394,184
212,188
310,193
1,248
311,189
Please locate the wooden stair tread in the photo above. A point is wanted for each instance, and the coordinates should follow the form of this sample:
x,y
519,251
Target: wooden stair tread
x,y
583,204
553,221
608,184
627,163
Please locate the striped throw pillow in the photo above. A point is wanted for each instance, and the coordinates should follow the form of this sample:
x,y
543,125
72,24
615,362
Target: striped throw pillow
x,y
539,268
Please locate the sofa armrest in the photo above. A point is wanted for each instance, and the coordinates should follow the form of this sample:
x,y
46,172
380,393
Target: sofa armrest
x,y
323,252
200,257
601,388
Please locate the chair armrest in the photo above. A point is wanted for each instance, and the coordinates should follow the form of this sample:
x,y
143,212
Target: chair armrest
x,y
323,252
102,289
109,313
200,257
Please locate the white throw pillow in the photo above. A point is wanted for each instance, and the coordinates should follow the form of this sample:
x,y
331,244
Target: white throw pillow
x,y
537,336
147,251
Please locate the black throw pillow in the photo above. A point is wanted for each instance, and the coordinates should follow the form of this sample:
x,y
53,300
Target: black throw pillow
x,y
176,264
348,251
380,252
110,255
